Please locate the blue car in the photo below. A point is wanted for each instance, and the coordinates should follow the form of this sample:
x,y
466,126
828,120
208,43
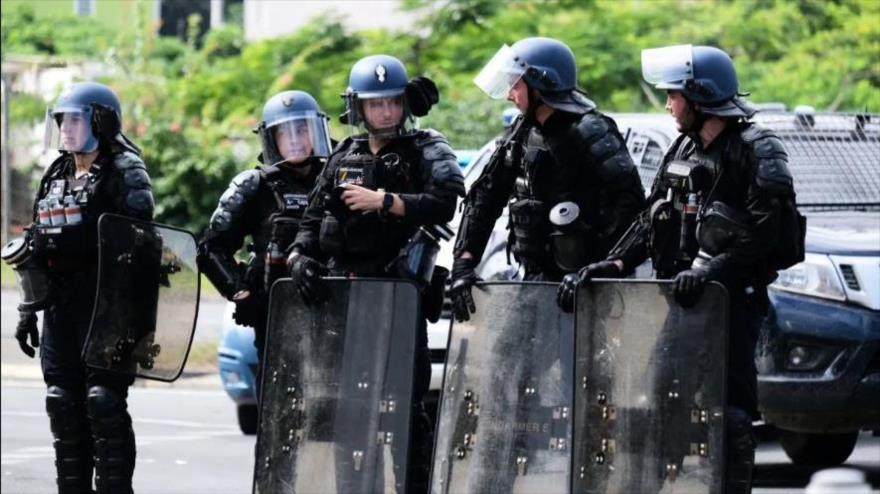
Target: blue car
x,y
237,356
818,355
237,361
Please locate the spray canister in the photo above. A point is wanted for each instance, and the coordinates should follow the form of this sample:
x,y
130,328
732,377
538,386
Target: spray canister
x,y
72,211
43,212
56,212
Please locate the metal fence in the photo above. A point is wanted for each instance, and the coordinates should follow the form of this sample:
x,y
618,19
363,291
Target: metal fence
x,y
834,157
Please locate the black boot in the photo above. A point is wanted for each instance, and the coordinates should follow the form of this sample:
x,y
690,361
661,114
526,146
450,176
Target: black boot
x,y
72,441
114,440
740,452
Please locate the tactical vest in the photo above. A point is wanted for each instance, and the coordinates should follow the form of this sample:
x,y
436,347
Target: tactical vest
x,y
278,229
699,204
65,243
352,235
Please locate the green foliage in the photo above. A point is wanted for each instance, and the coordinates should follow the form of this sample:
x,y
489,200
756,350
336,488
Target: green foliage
x,y
192,107
26,108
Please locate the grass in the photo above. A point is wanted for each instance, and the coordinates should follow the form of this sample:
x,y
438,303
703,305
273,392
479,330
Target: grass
x,y
7,276
202,357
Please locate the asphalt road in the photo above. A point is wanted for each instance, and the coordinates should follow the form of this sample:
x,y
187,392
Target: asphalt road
x,y
188,439
189,443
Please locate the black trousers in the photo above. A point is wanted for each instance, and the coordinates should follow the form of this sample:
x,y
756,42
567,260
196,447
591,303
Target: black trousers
x,y
65,328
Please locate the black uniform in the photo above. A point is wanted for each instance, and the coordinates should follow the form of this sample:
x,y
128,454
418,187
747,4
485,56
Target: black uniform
x,y
423,171
266,203
87,407
741,179
573,157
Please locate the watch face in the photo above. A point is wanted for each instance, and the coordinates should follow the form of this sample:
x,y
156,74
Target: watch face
x,y
387,202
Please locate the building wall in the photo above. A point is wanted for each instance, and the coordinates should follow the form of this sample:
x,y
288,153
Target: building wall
x,y
271,18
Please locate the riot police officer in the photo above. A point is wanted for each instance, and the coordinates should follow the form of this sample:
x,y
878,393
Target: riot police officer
x,y
99,171
721,209
267,204
563,166
379,187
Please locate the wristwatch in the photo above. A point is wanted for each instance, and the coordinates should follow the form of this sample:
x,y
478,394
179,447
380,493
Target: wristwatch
x,y
387,202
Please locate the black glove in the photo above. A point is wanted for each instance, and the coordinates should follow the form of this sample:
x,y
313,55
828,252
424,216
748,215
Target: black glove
x,y
567,288
306,273
463,278
250,308
27,326
421,95
689,286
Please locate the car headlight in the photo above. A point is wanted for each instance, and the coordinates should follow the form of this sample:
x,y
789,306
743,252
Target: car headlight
x,y
815,276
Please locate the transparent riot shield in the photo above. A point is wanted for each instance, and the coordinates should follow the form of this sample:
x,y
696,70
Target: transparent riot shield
x,y
649,389
504,423
337,387
147,301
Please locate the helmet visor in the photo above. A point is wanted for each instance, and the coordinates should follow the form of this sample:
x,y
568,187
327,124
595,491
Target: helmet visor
x,y
500,74
669,64
382,117
70,129
298,137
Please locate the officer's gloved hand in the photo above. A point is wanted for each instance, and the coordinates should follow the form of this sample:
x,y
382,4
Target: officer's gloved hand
x,y
306,273
248,308
463,279
689,286
421,95
27,327
567,288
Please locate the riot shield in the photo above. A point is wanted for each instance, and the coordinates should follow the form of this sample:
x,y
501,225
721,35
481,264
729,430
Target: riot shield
x,y
147,300
504,423
649,389
337,388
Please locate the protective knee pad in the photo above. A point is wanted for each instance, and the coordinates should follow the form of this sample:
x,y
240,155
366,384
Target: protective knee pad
x,y
740,451
114,440
71,439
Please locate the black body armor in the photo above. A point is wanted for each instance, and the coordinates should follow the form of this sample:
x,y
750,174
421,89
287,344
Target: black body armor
x,y
421,169
267,203
572,158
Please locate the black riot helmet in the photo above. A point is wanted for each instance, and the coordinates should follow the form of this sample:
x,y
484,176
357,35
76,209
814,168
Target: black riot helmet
x,y
86,116
546,65
382,79
293,129
705,75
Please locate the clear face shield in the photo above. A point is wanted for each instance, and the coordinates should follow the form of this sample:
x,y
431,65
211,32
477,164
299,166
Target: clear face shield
x,y
295,138
500,74
382,116
668,67
70,129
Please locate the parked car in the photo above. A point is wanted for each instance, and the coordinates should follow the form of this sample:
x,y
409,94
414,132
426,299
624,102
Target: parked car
x,y
237,356
818,356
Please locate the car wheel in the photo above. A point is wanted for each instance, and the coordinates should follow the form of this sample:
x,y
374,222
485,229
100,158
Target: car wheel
x,y
825,450
247,419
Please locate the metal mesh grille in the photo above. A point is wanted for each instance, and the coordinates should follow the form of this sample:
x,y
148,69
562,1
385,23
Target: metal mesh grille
x,y
834,158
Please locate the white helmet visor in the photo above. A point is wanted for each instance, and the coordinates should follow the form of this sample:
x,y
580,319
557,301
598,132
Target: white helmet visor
x,y
500,74
70,129
298,136
670,64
